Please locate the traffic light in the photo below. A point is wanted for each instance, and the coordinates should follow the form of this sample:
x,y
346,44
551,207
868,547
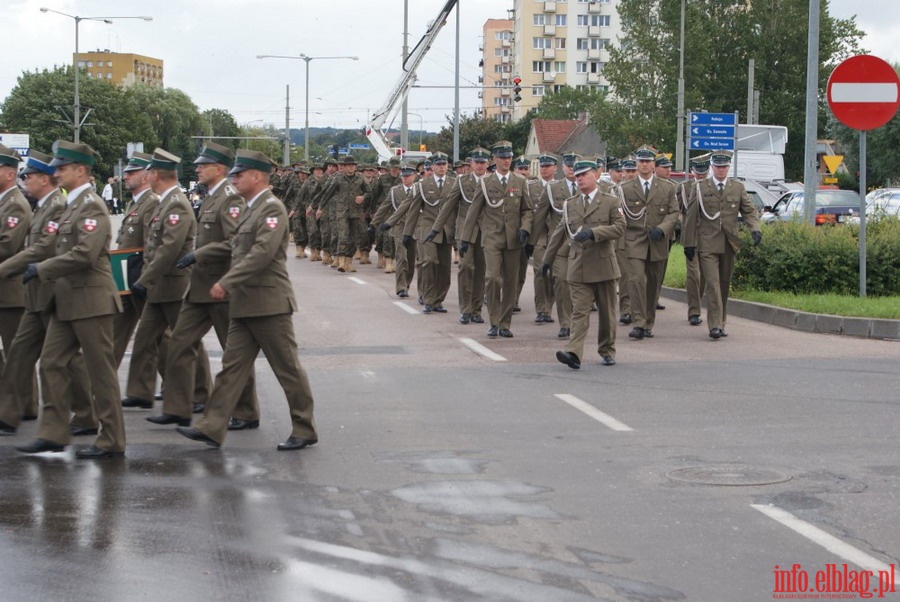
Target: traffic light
x,y
517,88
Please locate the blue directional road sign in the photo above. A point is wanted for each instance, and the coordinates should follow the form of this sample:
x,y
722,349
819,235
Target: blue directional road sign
x,y
712,143
712,119
355,146
712,131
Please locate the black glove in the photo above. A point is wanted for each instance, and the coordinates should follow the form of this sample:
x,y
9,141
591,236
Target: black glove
x,y
139,290
677,228
583,235
407,240
545,269
31,272
529,250
370,231
689,252
463,247
187,260
431,236
757,237
522,235
656,234
385,227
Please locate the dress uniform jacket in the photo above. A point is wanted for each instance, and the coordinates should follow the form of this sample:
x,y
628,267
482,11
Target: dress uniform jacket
x,y
172,232
219,216
135,227
548,213
425,207
456,205
712,217
592,260
500,211
258,282
395,208
379,190
658,209
15,220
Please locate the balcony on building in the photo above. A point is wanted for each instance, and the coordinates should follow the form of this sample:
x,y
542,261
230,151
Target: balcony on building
x,y
593,78
549,77
594,8
549,30
593,54
594,31
549,53
549,7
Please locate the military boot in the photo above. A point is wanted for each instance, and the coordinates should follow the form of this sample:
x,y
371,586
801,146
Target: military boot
x,y
349,264
301,252
315,256
336,261
342,263
364,257
380,265
326,257
389,266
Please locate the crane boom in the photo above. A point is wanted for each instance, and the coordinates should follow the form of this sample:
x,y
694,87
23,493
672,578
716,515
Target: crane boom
x,y
401,89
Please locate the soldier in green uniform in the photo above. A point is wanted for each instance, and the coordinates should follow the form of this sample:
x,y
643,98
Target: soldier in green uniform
x,y
651,211
325,215
392,214
522,167
307,191
544,296
85,302
384,243
297,212
711,231
591,222
261,302
687,195
343,196
617,178
503,213
434,246
18,390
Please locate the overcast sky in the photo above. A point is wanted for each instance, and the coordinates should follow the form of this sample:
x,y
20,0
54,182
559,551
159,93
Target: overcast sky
x,y
210,47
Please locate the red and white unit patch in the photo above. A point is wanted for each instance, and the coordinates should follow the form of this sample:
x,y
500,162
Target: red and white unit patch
x,y
272,222
12,222
173,219
90,225
51,228
234,212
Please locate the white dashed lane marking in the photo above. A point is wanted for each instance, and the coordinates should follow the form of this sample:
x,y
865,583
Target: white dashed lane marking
x,y
593,412
481,349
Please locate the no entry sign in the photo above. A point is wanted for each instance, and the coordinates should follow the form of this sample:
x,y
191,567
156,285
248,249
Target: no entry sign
x,y
864,92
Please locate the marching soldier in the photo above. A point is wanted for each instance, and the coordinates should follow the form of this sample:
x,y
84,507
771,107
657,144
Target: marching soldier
x,y
522,167
694,282
470,276
219,215
547,215
617,176
434,245
324,214
544,295
307,192
591,222
18,393
393,213
503,213
172,231
651,211
711,231
343,197
261,303
384,243
298,212
85,302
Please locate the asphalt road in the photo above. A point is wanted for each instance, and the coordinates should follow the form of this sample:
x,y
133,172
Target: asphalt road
x,y
443,474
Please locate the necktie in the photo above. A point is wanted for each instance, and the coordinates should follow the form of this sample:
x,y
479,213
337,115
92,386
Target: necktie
x,y
503,180
440,183
721,186
585,201
646,188
573,188
409,192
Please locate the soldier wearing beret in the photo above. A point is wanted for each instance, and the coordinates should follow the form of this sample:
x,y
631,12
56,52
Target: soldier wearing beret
x,y
18,384
220,213
262,302
85,302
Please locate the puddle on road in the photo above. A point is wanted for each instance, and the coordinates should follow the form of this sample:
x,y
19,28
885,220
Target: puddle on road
x,y
484,501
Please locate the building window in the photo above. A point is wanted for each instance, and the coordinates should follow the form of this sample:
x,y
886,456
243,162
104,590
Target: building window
x,y
503,101
541,43
560,43
600,20
561,20
501,35
537,91
582,43
539,19
559,66
108,75
81,64
598,43
498,68
109,63
582,20
90,75
581,67
597,67
540,66
90,63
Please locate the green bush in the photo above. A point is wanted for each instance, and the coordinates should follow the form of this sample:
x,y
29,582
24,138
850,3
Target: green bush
x,y
803,259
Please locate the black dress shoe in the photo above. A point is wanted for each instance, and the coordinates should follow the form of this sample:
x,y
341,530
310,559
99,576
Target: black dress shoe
x,y
724,334
29,417
292,443
421,300
158,397
477,319
539,319
516,309
40,445
660,306
236,424
594,307
626,319
609,360
135,402
569,359
427,309
715,333
695,320
82,431
505,333
648,333
402,294
636,333
464,319
169,419
548,319
7,429
196,434
564,333
198,408
95,453
493,331
439,309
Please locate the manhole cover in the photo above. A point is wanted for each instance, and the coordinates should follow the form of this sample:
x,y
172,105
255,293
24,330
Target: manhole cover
x,y
742,476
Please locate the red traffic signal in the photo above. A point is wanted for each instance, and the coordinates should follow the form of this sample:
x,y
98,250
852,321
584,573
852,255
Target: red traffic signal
x,y
517,80
517,88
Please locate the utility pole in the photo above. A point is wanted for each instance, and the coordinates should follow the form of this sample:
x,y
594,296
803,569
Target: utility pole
x,y
404,120
679,139
456,94
287,125
810,174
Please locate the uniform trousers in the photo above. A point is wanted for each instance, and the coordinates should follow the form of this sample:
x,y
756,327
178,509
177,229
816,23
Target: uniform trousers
x,y
124,324
502,268
583,295
694,283
522,274
544,295
384,244
716,269
623,284
324,224
10,319
434,266
470,280
644,278
404,264
315,236
184,354
95,338
246,336
17,383
333,233
298,227
561,290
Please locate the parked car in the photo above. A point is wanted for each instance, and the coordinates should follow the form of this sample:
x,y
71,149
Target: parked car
x,y
832,207
880,203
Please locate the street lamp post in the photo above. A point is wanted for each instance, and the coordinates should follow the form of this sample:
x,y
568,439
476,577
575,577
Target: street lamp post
x,y
421,126
306,59
76,116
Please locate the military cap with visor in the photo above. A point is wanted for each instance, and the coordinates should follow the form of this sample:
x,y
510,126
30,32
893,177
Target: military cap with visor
x,y
502,149
663,161
9,157
521,162
545,160
215,153
613,164
439,157
38,163
245,159
480,154
163,159
584,167
720,158
700,164
629,164
137,162
645,153
569,159
66,153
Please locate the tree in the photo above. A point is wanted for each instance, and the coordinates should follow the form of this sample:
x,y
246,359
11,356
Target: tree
x,y
474,131
220,122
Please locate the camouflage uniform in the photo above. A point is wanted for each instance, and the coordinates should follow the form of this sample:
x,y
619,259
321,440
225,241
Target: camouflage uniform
x,y
339,199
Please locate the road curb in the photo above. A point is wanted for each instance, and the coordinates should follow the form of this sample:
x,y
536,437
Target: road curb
x,y
871,328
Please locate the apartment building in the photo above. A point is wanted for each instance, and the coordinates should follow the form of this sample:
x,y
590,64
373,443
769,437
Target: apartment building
x,y
120,68
555,43
497,68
